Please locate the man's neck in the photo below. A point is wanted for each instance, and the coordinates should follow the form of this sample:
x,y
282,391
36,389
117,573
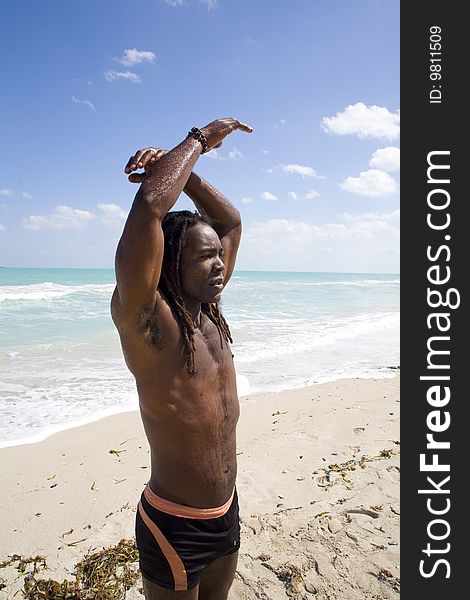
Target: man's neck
x,y
194,309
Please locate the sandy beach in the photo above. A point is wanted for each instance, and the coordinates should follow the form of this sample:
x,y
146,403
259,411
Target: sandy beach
x,y
318,484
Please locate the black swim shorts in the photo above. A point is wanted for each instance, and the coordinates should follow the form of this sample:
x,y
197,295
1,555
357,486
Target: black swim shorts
x,y
176,542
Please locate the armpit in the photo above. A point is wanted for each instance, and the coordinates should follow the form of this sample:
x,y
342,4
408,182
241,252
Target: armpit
x,y
152,330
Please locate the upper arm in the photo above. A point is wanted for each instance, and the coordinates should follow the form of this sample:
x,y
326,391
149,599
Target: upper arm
x,y
230,243
138,265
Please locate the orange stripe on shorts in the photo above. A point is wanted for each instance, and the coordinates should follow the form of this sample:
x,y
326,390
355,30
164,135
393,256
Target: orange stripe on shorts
x,y
181,510
176,564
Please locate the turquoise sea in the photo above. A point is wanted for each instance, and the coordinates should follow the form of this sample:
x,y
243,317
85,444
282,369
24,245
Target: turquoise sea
x,y
61,362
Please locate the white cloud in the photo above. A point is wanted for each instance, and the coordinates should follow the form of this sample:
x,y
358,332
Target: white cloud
x,y
132,57
293,195
386,159
270,171
209,3
175,2
65,217
299,169
269,196
3,205
311,195
370,223
372,183
13,194
265,151
89,82
364,121
247,200
111,214
352,242
295,232
301,233
85,102
351,217
2,227
126,75
213,154
62,217
235,153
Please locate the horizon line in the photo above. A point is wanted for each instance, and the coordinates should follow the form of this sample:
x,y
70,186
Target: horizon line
x,y
235,270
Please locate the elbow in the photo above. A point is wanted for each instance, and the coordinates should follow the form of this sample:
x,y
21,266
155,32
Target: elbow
x,y
235,232
238,224
236,219
152,202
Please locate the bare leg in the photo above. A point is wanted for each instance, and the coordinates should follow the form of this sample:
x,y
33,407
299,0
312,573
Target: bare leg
x,y
152,591
217,579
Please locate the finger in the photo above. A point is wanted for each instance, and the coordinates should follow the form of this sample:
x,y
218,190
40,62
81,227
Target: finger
x,y
136,177
147,154
151,156
236,124
244,127
134,160
147,157
127,168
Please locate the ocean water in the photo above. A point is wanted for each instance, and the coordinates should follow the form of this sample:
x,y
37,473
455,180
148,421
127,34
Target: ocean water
x,y
61,363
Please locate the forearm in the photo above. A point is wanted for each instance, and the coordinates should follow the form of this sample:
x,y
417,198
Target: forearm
x,y
168,176
213,204
140,250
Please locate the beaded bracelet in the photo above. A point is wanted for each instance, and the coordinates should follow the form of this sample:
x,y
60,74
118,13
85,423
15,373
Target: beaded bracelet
x,y
198,135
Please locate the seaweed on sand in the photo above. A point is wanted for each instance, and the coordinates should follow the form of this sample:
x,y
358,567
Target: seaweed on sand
x,y
344,468
103,575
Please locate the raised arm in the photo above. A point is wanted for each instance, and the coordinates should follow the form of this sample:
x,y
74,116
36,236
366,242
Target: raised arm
x,y
140,250
139,253
223,217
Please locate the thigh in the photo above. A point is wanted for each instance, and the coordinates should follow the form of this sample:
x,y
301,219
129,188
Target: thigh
x,y
217,578
152,591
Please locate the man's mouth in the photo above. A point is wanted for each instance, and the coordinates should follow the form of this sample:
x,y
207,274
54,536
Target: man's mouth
x,y
217,283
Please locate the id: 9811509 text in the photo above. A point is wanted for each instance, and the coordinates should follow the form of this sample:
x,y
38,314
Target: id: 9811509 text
x,y
435,65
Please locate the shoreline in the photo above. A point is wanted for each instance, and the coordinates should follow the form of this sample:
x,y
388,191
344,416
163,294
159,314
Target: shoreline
x,y
318,482
388,373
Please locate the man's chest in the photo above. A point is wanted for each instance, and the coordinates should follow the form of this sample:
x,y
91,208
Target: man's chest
x,y
212,352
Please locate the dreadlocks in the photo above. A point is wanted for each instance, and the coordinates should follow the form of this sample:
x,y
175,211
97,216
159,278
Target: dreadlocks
x,y
174,225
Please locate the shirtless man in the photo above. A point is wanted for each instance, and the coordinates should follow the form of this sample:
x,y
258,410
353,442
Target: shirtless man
x,y
171,268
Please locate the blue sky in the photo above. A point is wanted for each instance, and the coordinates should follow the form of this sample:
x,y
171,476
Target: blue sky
x,y
87,83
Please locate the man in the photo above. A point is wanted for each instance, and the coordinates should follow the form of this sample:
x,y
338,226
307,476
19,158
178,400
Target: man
x,y
171,268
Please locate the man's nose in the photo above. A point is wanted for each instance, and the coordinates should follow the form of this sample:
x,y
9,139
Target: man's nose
x,y
219,264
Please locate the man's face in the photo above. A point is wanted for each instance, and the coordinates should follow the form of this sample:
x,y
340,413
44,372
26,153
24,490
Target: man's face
x,y
201,265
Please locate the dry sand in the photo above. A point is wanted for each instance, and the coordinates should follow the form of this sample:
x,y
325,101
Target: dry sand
x,y
318,484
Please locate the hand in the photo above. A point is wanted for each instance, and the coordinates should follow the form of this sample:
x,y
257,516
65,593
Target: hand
x,y
142,159
216,131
